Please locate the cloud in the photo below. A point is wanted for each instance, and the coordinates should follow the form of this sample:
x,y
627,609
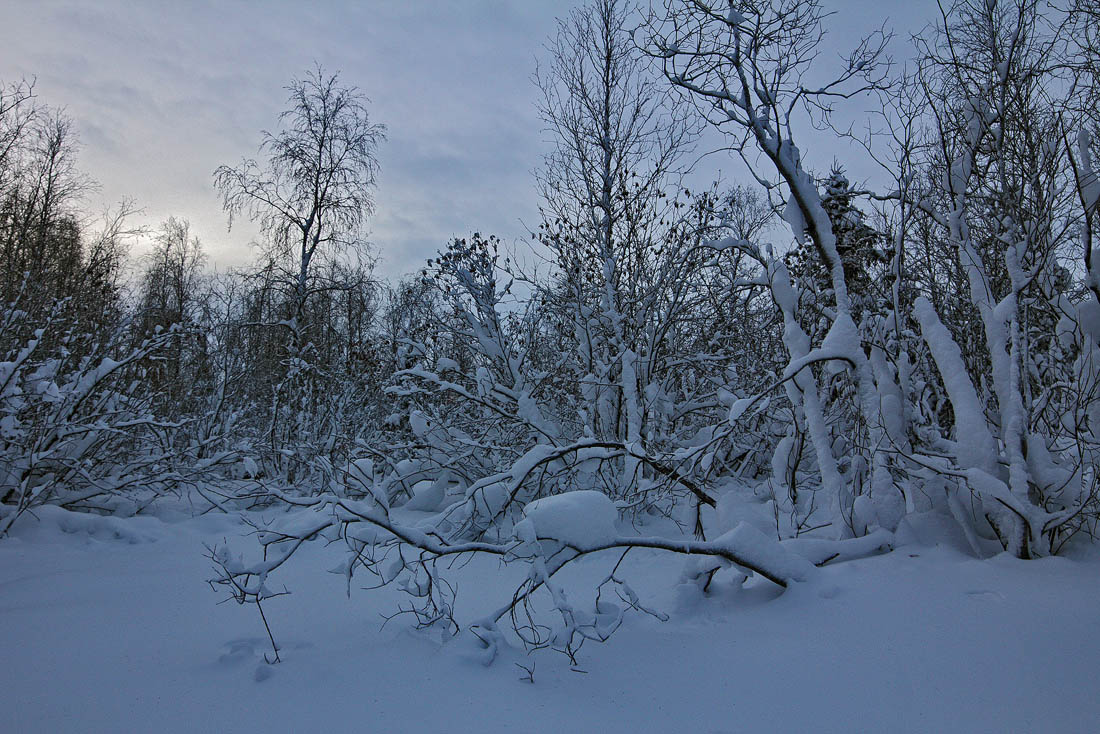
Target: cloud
x,y
163,92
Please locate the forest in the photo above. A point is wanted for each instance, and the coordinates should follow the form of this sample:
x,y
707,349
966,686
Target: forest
x,y
722,393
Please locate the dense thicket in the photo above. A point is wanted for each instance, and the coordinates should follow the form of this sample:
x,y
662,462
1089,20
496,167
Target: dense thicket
x,y
841,356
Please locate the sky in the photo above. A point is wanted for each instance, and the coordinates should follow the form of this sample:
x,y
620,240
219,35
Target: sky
x,y
164,92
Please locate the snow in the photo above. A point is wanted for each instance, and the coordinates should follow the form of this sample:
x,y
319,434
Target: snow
x,y
860,585
976,445
427,496
361,476
792,215
734,17
738,408
584,518
1089,181
1088,316
763,552
103,636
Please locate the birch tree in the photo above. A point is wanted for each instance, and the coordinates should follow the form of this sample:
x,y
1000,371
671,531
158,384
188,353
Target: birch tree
x,y
311,196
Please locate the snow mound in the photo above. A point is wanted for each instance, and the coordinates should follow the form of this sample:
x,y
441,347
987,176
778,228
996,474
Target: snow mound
x,y
584,519
427,496
52,522
765,553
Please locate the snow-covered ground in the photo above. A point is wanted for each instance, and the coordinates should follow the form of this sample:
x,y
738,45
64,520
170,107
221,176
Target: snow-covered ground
x,y
108,625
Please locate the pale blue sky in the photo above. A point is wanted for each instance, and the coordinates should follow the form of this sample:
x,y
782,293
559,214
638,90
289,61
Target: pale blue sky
x,y
163,92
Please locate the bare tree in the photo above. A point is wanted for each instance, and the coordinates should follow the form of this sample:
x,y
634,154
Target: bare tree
x,y
39,222
169,298
311,197
17,112
619,149
752,70
313,193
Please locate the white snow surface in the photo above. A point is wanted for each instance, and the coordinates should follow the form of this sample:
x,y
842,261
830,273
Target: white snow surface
x,y
108,626
584,518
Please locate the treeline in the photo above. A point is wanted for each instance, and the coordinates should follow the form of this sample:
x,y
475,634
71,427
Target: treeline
x,y
126,378
845,358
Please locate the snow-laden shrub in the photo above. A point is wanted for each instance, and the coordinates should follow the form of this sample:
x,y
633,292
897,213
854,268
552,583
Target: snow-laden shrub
x,y
76,429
